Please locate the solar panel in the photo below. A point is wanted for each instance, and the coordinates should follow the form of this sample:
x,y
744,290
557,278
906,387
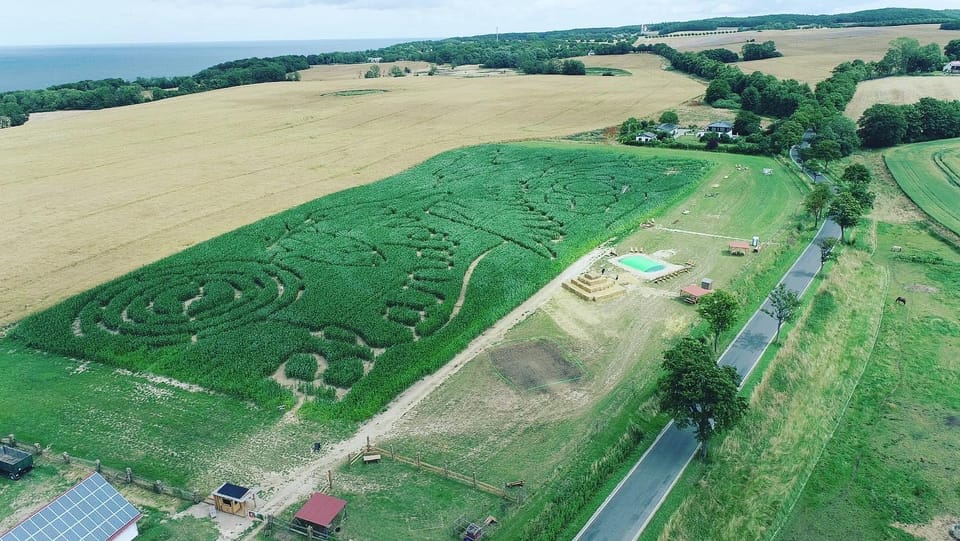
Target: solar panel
x,y
91,511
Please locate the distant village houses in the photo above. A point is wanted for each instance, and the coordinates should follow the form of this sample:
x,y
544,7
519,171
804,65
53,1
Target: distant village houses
x,y
952,68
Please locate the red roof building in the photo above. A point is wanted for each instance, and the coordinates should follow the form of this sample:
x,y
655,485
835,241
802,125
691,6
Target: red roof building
x,y
321,510
693,293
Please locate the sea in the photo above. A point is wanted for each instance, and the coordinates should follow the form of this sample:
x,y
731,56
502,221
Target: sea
x,y
38,67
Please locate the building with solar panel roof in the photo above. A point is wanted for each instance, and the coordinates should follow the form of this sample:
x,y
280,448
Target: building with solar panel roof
x,y
91,511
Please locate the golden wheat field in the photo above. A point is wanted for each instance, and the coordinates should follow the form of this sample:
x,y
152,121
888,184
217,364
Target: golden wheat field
x,y
89,197
900,91
809,55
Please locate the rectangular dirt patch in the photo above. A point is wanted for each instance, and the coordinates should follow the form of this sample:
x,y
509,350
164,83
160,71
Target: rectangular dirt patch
x,y
535,364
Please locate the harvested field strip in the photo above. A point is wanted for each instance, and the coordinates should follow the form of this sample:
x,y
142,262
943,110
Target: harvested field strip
x,y
379,266
928,176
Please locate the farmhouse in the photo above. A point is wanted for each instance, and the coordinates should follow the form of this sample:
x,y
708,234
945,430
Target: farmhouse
x,y
721,127
669,129
322,513
952,67
646,137
92,510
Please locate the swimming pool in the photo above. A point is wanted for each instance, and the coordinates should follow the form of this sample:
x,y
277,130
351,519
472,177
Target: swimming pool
x,y
642,263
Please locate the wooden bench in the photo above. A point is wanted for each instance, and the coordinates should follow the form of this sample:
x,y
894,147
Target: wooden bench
x,y
367,459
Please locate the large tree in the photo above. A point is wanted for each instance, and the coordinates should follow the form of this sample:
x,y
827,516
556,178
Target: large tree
x,y
882,125
718,89
669,117
817,201
952,50
784,303
720,310
856,173
846,211
696,392
826,244
746,123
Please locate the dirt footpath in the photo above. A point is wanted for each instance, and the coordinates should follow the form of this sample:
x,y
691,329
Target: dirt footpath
x,y
288,488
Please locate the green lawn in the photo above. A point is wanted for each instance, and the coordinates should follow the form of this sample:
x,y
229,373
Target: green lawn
x,y
929,173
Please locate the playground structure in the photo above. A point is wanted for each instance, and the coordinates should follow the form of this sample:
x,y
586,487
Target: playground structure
x,y
592,286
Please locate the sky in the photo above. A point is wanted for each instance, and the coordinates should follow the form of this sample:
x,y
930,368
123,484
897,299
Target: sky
x,y
55,22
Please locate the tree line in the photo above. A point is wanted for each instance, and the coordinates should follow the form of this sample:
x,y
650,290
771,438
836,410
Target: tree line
x,y
873,17
17,105
796,108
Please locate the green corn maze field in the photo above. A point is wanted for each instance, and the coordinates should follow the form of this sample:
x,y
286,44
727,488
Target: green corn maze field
x,y
366,281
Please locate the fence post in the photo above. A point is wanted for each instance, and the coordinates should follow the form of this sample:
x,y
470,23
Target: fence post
x,y
474,479
96,465
66,458
158,486
128,477
38,450
329,481
418,459
196,497
310,532
13,440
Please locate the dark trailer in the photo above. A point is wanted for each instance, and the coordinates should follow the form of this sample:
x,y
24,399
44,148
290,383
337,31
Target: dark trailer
x,y
14,462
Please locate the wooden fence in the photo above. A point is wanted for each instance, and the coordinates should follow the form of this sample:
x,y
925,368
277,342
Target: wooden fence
x,y
470,481
117,477
271,522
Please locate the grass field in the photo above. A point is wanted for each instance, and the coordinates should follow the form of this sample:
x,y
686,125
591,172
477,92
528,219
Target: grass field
x,y
479,422
87,198
381,284
901,91
929,173
891,466
810,55
157,428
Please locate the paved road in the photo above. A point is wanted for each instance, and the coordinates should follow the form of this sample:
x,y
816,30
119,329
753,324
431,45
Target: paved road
x,y
629,508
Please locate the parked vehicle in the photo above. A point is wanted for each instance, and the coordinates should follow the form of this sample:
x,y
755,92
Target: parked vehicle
x,y
14,462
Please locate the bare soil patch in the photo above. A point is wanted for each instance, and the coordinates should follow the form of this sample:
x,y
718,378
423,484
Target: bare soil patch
x,y
536,364
937,529
921,288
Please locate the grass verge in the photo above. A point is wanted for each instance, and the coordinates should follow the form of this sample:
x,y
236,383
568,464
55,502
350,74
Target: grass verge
x,y
892,459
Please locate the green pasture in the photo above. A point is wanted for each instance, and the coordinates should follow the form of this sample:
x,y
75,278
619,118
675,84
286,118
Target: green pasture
x,y
370,274
893,457
929,173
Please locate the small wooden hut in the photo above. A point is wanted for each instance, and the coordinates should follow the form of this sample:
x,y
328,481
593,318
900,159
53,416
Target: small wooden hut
x,y
693,293
738,247
234,499
323,513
